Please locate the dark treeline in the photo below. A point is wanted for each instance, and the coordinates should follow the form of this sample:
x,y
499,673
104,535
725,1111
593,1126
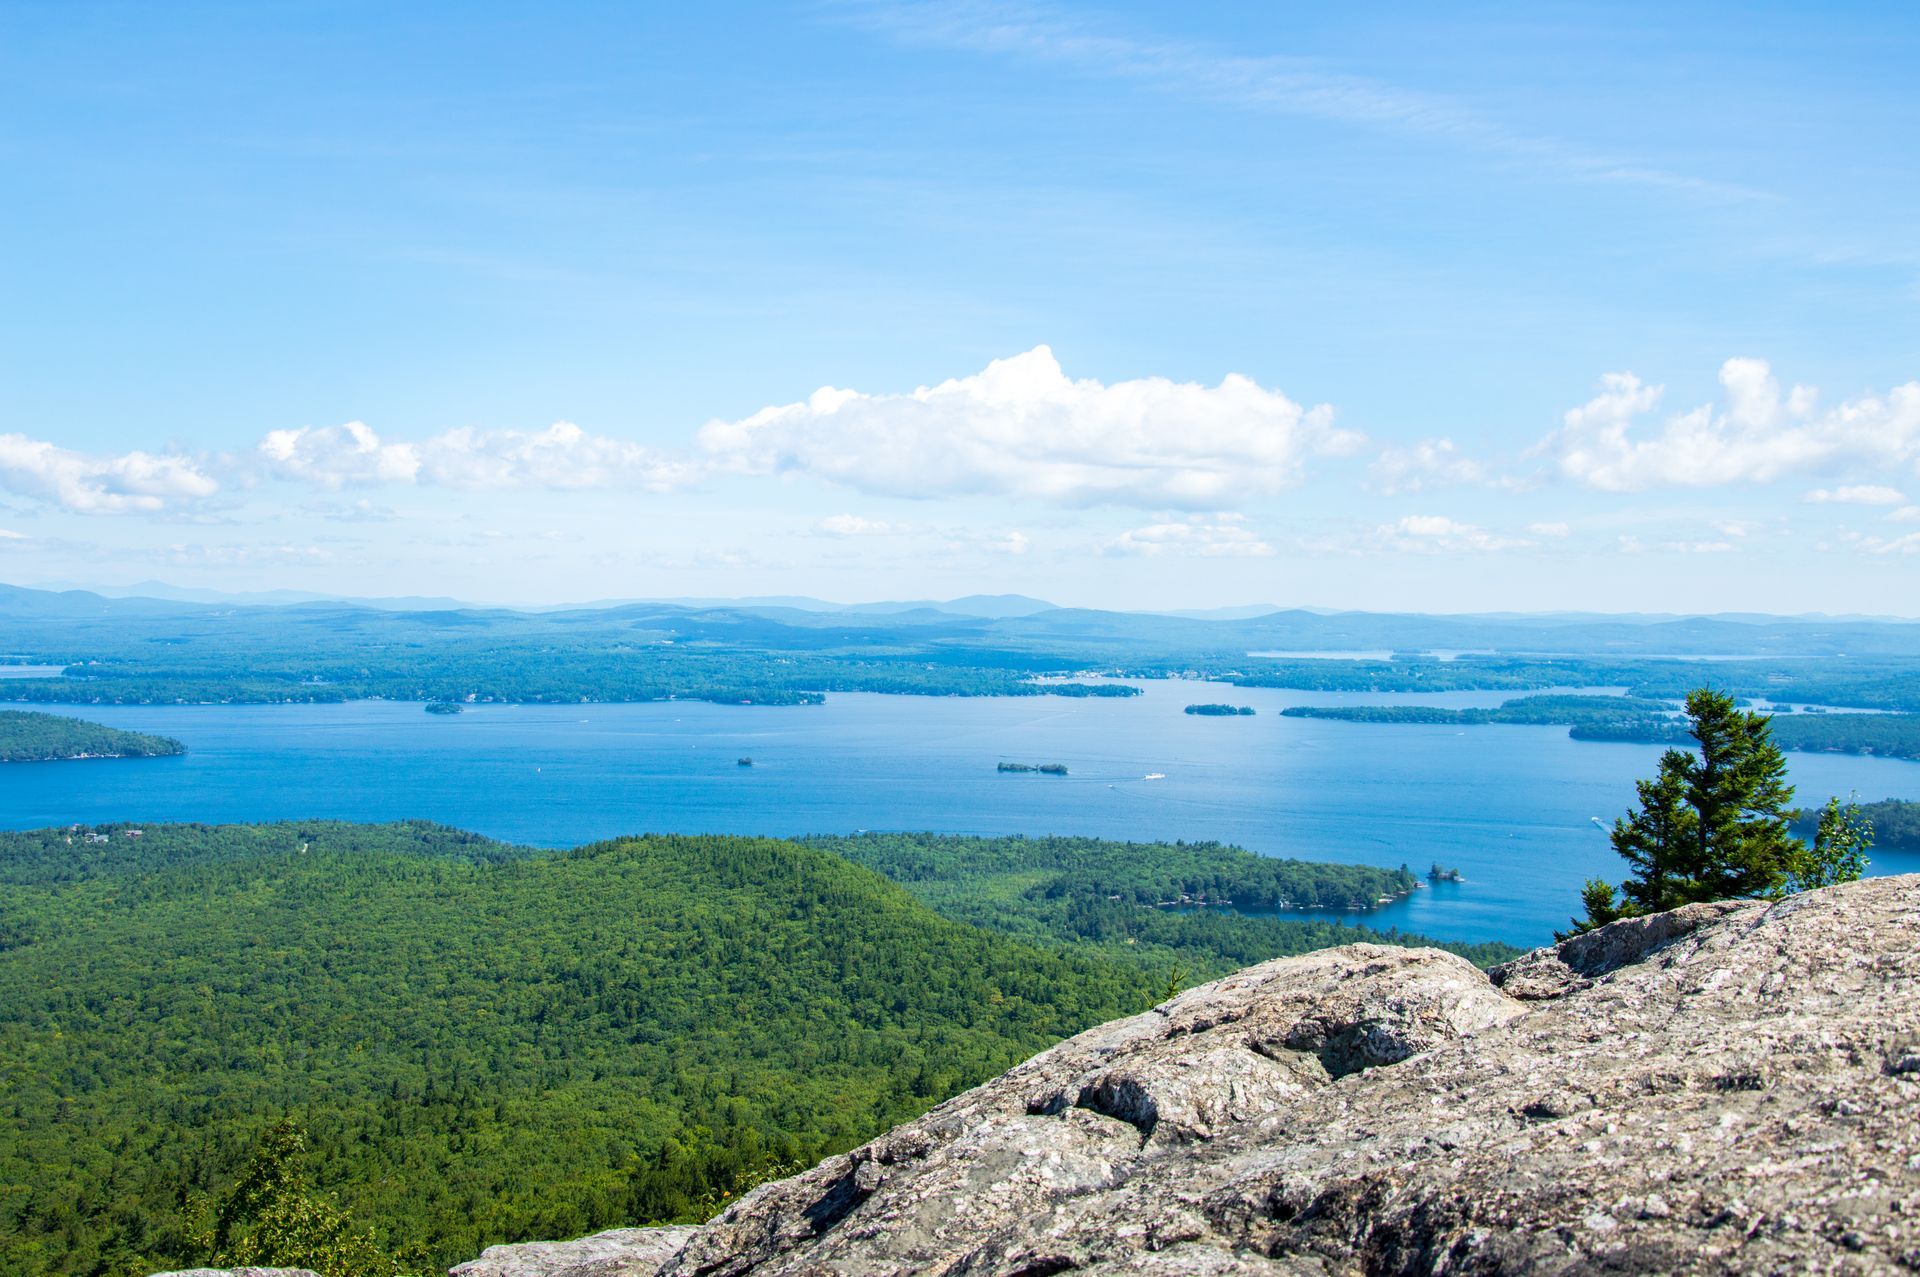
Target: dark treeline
x,y
1108,893
1556,711
30,738
1873,682
1642,720
1884,735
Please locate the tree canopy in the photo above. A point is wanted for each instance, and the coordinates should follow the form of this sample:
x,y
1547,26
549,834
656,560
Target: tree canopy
x,y
1714,823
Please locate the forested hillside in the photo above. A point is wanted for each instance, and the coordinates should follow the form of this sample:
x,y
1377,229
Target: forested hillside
x,y
488,1042
27,737
483,1045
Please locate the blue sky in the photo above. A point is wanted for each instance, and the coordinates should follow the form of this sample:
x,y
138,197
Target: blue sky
x,y
1443,307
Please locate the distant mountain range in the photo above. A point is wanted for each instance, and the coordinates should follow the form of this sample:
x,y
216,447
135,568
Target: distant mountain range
x,y
985,606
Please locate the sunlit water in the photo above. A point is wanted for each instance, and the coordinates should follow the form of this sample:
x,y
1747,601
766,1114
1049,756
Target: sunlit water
x,y
1511,807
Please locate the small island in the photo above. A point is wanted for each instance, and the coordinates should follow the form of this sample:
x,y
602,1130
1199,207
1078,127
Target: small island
x,y
1437,874
1221,711
443,707
27,737
743,762
1045,769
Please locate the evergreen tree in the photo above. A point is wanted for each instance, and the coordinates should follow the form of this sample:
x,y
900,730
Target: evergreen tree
x,y
1711,825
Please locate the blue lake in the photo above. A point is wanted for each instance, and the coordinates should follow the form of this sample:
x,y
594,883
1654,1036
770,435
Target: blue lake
x,y
1511,807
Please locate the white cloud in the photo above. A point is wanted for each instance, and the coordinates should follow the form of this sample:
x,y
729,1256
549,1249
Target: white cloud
x,y
1429,463
335,456
1634,545
1908,544
1906,514
1433,533
562,456
1759,436
1222,536
1023,428
853,525
1860,494
8,534
129,483
1550,529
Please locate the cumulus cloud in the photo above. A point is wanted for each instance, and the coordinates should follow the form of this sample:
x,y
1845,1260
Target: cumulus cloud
x,y
562,456
1429,463
1906,514
1859,494
1438,534
1550,529
127,483
1222,536
1758,435
336,456
1023,428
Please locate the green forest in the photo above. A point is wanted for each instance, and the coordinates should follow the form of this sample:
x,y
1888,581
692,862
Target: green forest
x,y
1139,903
1643,720
27,737
487,1043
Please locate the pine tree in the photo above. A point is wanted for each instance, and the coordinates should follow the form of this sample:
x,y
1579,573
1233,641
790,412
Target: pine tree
x,y
1711,825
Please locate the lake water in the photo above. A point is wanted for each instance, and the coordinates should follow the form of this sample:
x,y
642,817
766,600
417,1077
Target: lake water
x,y
1511,807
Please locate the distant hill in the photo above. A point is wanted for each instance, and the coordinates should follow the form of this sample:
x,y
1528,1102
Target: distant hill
x,y
768,652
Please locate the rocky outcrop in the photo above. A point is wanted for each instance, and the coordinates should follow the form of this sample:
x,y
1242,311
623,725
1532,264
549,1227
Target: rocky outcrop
x,y
1727,1088
620,1252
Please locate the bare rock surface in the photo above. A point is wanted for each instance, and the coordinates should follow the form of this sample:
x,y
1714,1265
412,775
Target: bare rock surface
x,y
1730,1088
619,1252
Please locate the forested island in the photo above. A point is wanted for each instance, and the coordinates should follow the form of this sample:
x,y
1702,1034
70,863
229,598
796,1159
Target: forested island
x,y
485,1042
1896,824
1044,769
1647,721
1883,735
1221,711
27,737
444,707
